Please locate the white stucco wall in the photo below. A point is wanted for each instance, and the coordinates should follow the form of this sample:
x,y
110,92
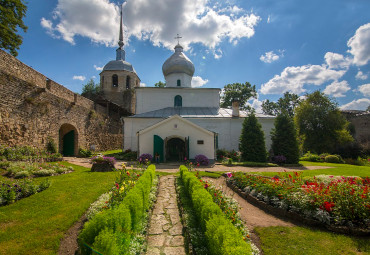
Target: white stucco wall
x,y
171,80
228,129
175,127
150,99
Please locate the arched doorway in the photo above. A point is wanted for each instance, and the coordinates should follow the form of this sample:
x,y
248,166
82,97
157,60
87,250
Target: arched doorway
x,y
68,140
175,149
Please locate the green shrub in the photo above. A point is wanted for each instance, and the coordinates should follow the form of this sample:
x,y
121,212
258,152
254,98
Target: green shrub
x,y
84,153
311,157
110,231
51,146
4,164
333,159
222,236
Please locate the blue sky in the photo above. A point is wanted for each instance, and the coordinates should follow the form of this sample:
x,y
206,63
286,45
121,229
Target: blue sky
x,y
288,45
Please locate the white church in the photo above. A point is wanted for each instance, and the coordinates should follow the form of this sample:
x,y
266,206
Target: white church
x,y
175,121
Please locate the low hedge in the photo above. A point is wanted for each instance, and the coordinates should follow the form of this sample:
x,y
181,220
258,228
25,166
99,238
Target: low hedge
x,y
222,237
110,232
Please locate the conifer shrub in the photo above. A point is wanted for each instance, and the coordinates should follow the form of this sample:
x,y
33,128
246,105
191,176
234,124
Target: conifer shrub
x,y
222,236
284,139
252,141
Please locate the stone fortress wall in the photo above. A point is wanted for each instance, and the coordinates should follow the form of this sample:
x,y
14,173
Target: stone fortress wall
x,y
361,122
34,108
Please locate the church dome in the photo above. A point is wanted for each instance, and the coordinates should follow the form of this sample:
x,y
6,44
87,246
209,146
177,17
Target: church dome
x,y
118,65
178,63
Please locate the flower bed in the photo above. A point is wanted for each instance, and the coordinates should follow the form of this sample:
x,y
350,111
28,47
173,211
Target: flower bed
x,y
27,153
11,191
343,201
26,169
222,237
102,163
119,229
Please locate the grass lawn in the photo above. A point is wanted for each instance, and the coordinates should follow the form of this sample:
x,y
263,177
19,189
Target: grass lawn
x,y
336,169
35,225
109,152
306,241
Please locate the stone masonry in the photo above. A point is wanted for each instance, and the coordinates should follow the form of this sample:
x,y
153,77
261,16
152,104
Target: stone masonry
x,y
165,231
34,108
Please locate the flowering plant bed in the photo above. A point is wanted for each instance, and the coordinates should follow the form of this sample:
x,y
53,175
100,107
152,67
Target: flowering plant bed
x,y
344,202
27,153
102,163
26,169
11,191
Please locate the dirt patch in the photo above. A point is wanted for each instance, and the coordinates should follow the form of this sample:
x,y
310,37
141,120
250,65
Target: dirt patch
x,y
69,245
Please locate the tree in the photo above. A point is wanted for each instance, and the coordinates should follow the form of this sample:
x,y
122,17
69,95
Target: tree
x,y
238,91
285,104
252,140
12,13
320,124
160,84
284,139
91,90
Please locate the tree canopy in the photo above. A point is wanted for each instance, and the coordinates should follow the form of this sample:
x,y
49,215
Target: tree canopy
x,y
252,140
91,90
238,91
285,105
160,84
12,13
320,124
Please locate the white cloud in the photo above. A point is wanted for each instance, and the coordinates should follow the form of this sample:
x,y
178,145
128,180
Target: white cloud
x,y
335,61
269,57
196,20
79,77
337,89
361,76
97,68
142,84
365,89
256,104
359,45
197,81
359,104
294,78
94,19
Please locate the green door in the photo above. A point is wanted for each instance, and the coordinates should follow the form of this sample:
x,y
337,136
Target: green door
x,y
69,143
158,147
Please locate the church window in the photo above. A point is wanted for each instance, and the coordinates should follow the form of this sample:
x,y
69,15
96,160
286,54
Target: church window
x,y
128,78
115,80
178,83
178,101
200,142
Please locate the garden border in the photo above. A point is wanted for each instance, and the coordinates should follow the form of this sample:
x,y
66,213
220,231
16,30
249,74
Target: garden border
x,y
295,217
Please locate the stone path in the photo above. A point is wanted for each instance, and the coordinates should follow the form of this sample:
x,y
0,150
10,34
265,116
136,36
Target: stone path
x,y
165,231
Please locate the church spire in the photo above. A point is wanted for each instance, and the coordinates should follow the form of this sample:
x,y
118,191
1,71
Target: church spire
x,y
120,52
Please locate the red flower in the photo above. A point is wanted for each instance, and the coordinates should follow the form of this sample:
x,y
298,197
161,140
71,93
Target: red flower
x,y
328,206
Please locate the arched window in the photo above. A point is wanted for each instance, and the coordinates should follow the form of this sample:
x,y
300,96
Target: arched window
x,y
178,83
115,80
128,78
178,101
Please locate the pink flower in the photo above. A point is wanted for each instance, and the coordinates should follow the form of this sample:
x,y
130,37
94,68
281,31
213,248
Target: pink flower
x,y
229,175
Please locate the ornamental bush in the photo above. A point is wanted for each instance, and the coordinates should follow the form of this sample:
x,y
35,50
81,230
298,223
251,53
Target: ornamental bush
x,y
222,236
252,141
202,160
333,159
146,157
110,231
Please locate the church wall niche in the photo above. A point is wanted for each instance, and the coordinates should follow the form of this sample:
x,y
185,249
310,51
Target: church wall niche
x,y
30,112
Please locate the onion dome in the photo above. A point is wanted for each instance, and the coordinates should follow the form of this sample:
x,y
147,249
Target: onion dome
x,y
178,63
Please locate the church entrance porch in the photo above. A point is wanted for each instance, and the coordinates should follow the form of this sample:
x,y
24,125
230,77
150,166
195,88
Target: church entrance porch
x,y
175,150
